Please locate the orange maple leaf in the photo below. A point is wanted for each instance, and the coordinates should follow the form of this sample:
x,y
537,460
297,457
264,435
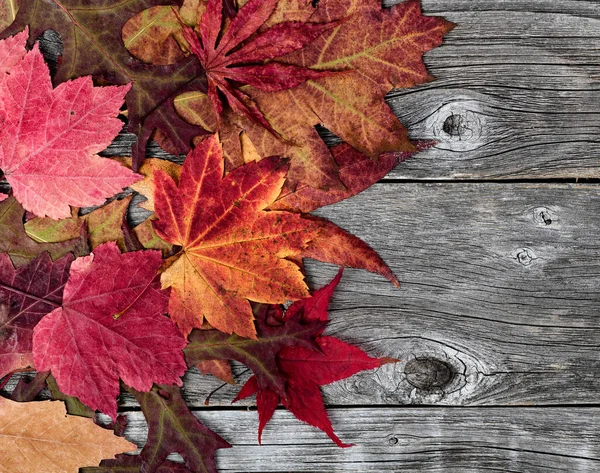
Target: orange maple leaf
x,y
232,248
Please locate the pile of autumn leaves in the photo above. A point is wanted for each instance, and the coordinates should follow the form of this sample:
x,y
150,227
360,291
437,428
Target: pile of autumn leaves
x,y
84,297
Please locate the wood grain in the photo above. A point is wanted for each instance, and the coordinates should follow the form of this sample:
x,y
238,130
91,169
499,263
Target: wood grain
x,y
499,298
516,95
440,440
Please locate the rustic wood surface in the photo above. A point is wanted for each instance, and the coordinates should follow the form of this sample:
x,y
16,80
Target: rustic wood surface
x,y
432,440
497,321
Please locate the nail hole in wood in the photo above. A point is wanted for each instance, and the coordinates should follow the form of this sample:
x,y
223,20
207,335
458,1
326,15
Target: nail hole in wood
x,y
543,216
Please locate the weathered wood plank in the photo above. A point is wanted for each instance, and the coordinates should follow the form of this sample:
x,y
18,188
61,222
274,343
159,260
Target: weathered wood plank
x,y
527,440
501,282
517,93
500,285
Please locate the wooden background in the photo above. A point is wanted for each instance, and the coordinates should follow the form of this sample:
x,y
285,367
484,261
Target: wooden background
x,y
494,236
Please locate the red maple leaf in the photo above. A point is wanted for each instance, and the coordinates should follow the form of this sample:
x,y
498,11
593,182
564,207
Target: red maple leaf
x,y
223,63
49,137
290,359
26,295
111,325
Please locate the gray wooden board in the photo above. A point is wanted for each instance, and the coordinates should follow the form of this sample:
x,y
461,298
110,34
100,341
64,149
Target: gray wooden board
x,y
500,285
517,93
440,440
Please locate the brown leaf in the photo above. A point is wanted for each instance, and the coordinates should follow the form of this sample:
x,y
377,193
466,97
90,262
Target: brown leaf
x,y
218,368
373,51
42,438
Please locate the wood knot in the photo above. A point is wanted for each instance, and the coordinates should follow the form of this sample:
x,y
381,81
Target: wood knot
x,y
458,125
428,373
525,256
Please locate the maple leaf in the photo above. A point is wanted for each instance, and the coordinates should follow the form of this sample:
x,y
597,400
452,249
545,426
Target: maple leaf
x,y
357,172
21,248
11,52
92,45
26,295
146,186
331,244
172,428
225,59
232,250
50,159
48,440
259,354
373,51
287,368
111,324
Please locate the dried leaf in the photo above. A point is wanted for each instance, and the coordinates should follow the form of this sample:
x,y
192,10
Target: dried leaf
x,y
357,172
50,159
373,50
290,359
39,436
225,59
221,369
111,325
260,354
172,428
149,239
149,36
146,186
8,12
103,224
74,406
48,230
231,249
21,248
26,295
335,245
27,390
92,45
